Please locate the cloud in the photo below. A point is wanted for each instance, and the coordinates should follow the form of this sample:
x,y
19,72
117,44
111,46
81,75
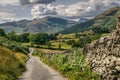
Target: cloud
x,y
81,9
24,2
11,10
41,10
5,16
9,17
27,2
60,10
9,2
71,9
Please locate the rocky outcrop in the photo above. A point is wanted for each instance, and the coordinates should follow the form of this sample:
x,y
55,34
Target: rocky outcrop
x,y
104,56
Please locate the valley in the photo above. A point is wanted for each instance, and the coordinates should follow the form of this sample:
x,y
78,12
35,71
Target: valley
x,y
53,48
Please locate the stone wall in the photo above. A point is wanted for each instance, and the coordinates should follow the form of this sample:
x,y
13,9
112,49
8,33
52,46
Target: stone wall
x,y
104,56
118,23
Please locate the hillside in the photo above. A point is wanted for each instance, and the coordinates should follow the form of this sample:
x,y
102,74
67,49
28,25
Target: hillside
x,y
106,19
12,64
47,25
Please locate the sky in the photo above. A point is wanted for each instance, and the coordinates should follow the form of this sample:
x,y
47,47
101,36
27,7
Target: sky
x,y
14,10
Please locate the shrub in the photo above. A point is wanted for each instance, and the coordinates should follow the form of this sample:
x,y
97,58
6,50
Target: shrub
x,y
13,45
72,65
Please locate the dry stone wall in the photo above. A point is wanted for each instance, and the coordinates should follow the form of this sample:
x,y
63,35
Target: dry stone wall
x,y
104,56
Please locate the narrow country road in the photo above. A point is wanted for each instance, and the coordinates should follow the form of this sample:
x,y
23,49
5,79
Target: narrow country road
x,y
36,70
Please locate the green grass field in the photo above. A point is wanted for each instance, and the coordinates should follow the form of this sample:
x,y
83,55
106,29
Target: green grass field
x,y
49,51
63,45
105,34
66,36
54,45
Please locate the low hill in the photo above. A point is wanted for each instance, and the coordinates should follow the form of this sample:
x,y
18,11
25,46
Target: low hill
x,y
47,25
104,20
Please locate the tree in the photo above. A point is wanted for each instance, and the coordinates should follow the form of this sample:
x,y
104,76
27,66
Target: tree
x,y
76,35
59,46
32,38
49,45
39,38
82,42
42,38
71,42
23,37
100,30
52,37
105,30
12,36
2,33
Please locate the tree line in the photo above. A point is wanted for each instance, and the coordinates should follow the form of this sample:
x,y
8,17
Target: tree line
x,y
38,38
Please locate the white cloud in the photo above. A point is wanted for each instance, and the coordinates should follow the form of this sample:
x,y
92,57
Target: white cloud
x,y
69,11
41,10
72,9
9,2
5,16
60,10
82,9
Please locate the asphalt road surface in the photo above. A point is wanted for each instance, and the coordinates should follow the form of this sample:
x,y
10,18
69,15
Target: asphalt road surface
x,y
37,70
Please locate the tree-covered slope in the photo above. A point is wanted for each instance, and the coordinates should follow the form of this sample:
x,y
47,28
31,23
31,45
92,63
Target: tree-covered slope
x,y
106,19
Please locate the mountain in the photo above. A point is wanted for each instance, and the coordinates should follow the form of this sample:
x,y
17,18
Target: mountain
x,y
83,20
47,24
106,19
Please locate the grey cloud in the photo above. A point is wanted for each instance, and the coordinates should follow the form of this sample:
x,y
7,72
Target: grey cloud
x,y
27,2
5,16
81,9
70,9
24,2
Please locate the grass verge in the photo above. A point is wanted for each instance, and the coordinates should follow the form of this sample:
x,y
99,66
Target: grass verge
x,y
70,64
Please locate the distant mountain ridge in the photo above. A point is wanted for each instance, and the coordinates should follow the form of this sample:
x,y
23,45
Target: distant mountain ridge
x,y
106,19
46,25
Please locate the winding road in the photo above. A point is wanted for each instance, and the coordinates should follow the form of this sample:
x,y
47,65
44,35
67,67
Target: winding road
x,y
37,70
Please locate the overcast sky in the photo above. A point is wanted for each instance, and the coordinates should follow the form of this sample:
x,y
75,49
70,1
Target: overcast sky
x,y
11,10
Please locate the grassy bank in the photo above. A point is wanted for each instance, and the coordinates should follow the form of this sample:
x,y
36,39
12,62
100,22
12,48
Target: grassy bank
x,y
71,64
13,45
12,64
